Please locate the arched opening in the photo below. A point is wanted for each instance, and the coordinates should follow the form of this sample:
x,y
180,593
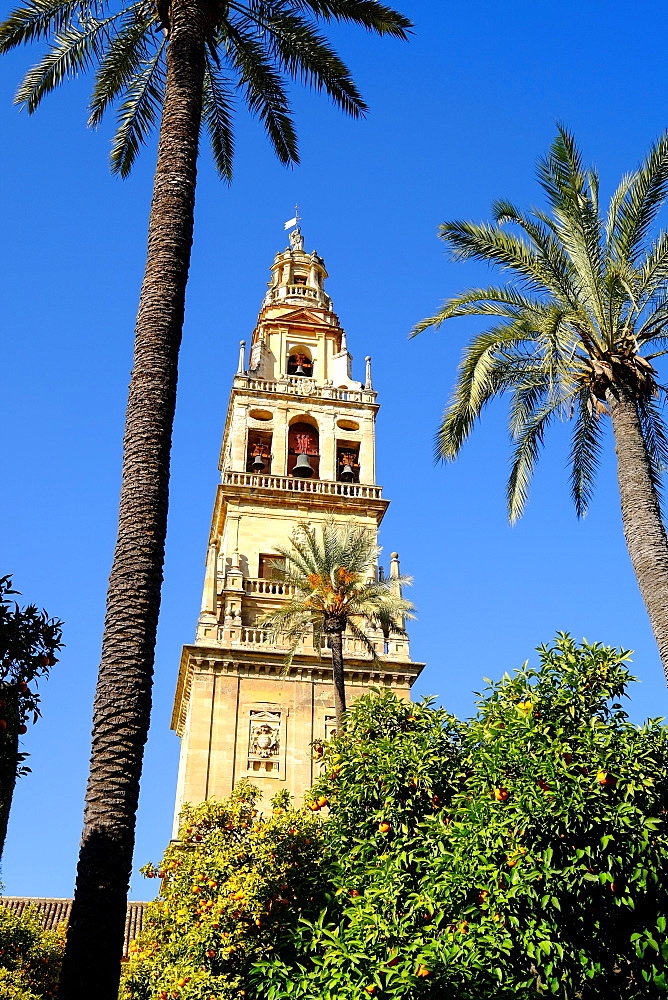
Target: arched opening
x,y
258,452
348,461
300,362
303,450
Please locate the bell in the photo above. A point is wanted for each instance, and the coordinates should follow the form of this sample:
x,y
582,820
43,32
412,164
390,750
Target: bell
x,y
299,370
347,474
302,467
258,464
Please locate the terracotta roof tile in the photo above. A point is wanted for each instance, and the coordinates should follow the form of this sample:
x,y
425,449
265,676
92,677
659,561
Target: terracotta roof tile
x,y
57,911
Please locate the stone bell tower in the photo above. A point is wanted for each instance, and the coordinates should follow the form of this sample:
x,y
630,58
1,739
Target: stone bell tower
x,y
298,445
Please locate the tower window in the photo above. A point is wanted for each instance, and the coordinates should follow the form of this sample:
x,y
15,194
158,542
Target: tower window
x,y
303,451
347,462
299,279
258,452
270,566
300,364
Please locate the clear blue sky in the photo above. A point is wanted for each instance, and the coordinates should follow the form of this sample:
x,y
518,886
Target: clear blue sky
x,y
458,117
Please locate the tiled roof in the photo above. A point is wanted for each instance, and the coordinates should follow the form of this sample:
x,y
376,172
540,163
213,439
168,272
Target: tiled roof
x,y
57,911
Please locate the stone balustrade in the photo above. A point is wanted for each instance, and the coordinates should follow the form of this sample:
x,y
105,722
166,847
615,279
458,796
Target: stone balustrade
x,y
300,386
292,484
252,638
304,290
275,588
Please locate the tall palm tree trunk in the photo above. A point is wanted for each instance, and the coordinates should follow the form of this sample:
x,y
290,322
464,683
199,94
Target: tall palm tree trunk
x,y
644,530
336,640
122,706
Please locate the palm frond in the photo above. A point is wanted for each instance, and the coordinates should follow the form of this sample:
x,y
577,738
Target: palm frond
x,y
305,55
573,195
482,373
655,436
123,60
638,201
544,236
528,441
654,325
73,51
506,302
652,275
139,112
265,93
41,18
362,637
585,452
483,242
367,13
217,113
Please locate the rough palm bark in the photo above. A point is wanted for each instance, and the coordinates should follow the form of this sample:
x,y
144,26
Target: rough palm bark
x,y
123,697
644,530
334,631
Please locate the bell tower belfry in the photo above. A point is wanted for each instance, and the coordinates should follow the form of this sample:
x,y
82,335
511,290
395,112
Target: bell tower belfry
x,y
298,445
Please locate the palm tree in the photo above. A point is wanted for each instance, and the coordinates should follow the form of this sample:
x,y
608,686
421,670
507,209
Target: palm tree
x,y
184,62
332,576
579,328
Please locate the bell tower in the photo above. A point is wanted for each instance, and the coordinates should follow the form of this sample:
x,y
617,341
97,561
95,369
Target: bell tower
x,y
298,445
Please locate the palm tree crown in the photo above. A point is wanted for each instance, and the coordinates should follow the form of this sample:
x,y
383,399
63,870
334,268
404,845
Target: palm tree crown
x,y
253,47
332,574
588,295
578,328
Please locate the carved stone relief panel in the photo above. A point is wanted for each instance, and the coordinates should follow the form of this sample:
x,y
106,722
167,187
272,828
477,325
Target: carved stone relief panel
x,y
264,741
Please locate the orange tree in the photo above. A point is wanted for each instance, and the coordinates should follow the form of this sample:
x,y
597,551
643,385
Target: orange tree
x,y
520,853
30,957
231,885
28,641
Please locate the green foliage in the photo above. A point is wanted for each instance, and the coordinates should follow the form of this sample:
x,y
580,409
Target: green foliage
x,y
522,852
230,886
583,314
255,49
28,641
30,957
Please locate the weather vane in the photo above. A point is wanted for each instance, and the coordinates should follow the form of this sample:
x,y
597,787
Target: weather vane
x,y
293,222
296,238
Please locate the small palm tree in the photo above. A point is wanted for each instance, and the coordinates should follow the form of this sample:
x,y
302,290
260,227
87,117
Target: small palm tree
x,y
579,327
335,592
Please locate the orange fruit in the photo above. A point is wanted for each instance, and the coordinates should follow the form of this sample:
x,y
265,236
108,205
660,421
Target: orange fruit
x,y
422,971
384,827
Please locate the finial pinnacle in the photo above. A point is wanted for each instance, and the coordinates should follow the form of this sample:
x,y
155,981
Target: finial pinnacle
x,y
368,384
242,357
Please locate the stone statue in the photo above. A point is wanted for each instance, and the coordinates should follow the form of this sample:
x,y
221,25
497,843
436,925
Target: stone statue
x,y
296,239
